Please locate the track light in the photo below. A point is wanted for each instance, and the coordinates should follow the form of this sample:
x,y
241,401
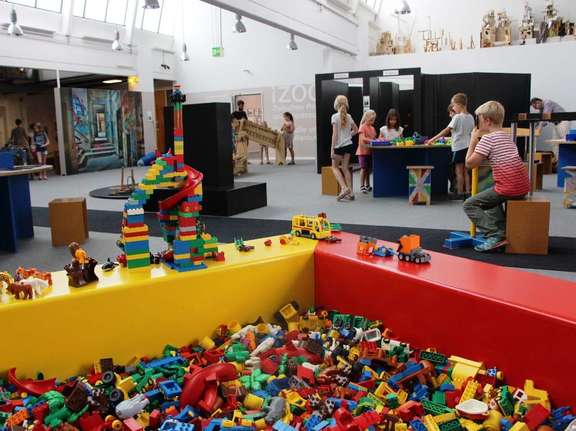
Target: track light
x,y
151,4
116,45
184,54
14,28
292,45
239,26
403,9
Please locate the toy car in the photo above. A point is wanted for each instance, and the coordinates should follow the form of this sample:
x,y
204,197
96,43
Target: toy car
x,y
409,250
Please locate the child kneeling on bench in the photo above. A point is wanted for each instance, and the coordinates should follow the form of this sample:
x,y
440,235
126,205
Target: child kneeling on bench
x,y
511,182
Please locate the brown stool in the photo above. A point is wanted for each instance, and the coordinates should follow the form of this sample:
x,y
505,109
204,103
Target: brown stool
x,y
68,221
329,184
527,226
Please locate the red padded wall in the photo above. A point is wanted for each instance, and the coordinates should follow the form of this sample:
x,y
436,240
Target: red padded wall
x,y
523,323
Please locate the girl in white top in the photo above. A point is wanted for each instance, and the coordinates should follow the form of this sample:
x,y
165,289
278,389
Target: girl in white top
x,y
392,129
343,128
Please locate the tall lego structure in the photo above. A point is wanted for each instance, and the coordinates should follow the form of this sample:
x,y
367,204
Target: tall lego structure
x,y
178,214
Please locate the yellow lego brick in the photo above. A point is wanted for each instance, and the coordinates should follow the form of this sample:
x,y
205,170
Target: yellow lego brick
x,y
373,373
431,425
492,422
206,236
126,385
227,423
246,423
400,426
138,229
470,425
463,369
144,419
382,390
519,426
187,237
237,416
446,417
384,376
260,424
470,390
402,396
253,402
182,256
137,256
136,238
535,396
210,246
353,353
175,174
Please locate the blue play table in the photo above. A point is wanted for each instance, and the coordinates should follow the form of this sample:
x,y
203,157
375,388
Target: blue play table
x,y
566,157
15,208
389,167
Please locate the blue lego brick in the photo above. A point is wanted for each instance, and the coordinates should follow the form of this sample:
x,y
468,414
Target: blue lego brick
x,y
170,388
153,395
275,386
281,426
445,387
418,425
324,424
136,245
163,362
312,421
411,368
135,219
420,392
167,404
175,425
186,268
186,414
462,239
215,424
338,403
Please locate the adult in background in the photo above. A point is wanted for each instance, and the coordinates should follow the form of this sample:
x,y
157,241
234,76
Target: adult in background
x,y
559,129
40,141
240,114
19,141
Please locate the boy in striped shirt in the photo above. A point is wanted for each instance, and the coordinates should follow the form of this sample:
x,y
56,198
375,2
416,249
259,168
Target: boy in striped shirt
x,y
490,142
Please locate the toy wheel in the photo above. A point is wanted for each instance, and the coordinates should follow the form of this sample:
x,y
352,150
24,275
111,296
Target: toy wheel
x,y
418,260
297,233
313,235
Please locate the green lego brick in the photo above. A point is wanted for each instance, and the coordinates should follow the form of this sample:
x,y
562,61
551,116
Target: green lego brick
x,y
138,263
435,409
453,425
188,214
433,357
439,397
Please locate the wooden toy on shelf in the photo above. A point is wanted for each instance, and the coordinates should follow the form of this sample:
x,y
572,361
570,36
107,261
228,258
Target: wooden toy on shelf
x,y
528,26
488,32
503,29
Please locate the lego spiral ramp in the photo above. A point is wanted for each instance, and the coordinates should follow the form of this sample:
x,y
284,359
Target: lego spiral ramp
x,y
193,180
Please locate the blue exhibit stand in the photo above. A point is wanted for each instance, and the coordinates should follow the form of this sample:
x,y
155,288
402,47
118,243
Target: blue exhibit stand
x,y
391,176
15,207
566,157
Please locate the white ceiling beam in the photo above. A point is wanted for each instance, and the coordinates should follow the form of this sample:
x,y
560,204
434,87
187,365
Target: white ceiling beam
x,y
333,31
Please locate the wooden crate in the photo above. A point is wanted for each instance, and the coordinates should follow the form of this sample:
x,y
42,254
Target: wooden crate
x,y
527,226
68,221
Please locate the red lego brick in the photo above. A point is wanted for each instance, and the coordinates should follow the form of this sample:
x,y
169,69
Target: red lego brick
x,y
91,422
132,424
536,416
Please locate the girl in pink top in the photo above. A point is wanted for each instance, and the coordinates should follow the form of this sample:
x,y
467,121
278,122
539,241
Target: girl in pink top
x,y
367,133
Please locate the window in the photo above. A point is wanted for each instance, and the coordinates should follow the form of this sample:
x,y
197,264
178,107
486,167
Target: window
x,y
159,20
110,11
50,5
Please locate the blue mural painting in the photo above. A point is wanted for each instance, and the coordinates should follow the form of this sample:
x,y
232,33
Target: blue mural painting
x,y
104,129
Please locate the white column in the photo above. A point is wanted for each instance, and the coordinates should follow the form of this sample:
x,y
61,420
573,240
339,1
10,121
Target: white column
x,y
131,12
67,8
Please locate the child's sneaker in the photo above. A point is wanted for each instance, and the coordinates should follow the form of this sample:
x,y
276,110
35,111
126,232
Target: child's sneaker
x,y
369,188
364,189
491,244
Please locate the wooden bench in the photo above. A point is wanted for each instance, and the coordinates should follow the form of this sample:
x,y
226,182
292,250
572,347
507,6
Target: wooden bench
x,y
527,226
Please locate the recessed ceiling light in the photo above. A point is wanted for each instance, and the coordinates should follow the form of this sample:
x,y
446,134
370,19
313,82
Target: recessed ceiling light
x,y
112,81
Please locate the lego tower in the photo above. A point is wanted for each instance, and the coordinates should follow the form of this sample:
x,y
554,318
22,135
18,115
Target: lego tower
x,y
178,214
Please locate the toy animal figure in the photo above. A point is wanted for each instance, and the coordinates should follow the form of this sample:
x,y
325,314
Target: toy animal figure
x,y
5,280
39,285
21,290
81,271
23,274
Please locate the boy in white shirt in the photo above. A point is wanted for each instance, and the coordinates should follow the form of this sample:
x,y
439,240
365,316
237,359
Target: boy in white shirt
x,y
461,128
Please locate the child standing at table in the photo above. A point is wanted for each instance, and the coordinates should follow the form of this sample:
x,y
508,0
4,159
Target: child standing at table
x,y
343,129
392,129
461,127
511,182
367,133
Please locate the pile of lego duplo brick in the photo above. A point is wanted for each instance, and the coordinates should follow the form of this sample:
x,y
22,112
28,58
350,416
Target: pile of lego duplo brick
x,y
320,371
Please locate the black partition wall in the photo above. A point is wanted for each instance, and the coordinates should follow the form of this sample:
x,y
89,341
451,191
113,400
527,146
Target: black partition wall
x,y
510,89
328,87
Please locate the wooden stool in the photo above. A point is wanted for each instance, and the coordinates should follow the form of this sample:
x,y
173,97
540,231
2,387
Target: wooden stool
x,y
547,159
527,226
68,221
419,184
329,184
570,187
537,175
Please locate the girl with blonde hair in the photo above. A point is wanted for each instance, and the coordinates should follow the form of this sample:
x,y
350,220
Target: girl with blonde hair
x,y
343,128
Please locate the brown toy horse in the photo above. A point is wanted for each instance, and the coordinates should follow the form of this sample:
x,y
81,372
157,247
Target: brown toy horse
x,y
21,290
23,274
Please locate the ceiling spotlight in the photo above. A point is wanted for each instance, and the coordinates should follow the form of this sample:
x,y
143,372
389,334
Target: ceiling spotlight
x,y
239,26
112,81
292,45
184,54
151,4
14,28
403,9
116,45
